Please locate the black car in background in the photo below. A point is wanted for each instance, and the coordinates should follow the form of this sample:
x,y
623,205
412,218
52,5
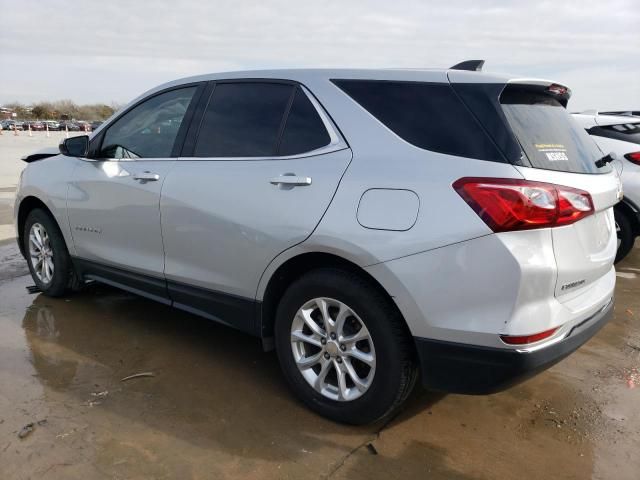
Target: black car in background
x,y
70,126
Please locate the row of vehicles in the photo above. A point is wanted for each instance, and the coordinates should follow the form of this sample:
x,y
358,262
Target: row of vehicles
x,y
53,125
375,227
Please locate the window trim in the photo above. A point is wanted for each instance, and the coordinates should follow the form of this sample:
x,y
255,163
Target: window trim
x,y
95,144
336,140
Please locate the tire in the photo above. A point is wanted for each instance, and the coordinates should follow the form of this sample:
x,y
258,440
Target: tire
x,y
369,312
626,236
62,276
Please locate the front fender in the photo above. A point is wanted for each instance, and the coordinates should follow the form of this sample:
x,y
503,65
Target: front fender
x,y
47,182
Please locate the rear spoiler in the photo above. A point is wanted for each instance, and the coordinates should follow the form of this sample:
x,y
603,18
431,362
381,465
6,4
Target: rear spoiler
x,y
546,87
40,155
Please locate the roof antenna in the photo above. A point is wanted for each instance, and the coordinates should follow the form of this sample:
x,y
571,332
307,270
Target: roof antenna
x,y
470,65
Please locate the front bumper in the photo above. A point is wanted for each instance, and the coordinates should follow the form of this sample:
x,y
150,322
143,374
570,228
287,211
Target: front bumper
x,y
469,369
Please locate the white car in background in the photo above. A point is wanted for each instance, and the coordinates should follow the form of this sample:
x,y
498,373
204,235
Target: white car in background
x,y
620,134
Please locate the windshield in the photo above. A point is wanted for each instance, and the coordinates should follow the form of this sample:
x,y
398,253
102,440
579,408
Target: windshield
x,y
549,137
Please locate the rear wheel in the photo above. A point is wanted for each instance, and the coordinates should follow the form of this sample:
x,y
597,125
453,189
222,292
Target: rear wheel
x,y
624,231
47,256
343,347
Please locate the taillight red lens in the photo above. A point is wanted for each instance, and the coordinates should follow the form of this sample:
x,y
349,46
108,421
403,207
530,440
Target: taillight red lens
x,y
507,204
524,339
633,157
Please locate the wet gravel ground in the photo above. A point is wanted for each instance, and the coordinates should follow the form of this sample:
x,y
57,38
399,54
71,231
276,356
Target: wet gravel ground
x,y
216,406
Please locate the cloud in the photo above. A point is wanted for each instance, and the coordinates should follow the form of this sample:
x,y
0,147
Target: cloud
x,y
90,51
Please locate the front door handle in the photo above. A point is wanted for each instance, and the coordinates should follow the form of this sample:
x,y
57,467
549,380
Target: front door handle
x,y
290,180
146,177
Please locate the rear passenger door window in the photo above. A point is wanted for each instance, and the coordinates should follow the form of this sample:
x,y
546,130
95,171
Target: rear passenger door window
x,y
243,120
259,119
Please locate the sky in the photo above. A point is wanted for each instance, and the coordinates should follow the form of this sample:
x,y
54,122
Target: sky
x,y
113,50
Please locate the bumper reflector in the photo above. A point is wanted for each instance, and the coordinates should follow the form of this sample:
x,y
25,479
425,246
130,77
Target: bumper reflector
x,y
526,339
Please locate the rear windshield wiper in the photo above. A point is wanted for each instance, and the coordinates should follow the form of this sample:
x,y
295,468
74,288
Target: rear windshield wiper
x,y
606,159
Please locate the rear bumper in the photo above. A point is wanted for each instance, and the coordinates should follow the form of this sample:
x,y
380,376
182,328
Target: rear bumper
x,y
469,369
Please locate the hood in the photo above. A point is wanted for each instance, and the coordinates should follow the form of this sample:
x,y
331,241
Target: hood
x,y
41,154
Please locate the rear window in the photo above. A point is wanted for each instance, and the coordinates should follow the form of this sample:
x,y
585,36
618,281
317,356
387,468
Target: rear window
x,y
427,115
627,132
549,137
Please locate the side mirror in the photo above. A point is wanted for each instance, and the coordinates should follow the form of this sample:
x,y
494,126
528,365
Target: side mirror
x,y
75,146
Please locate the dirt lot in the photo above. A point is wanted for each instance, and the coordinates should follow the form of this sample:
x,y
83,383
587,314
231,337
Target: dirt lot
x,y
217,407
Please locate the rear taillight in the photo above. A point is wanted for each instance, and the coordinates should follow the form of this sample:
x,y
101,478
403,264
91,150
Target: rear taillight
x,y
525,339
633,157
507,204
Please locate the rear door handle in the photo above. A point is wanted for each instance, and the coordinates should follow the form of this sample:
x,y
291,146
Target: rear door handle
x,y
288,180
146,177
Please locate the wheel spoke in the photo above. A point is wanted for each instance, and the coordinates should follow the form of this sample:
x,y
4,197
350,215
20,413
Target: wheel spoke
x,y
311,323
47,270
35,261
342,380
43,271
298,336
365,358
49,261
33,242
362,334
308,362
37,235
343,314
325,366
323,306
357,381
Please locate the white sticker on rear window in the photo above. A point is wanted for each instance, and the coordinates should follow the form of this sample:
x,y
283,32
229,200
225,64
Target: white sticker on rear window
x,y
555,152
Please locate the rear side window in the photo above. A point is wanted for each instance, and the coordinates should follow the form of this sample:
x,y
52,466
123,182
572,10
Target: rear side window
x,y
549,137
427,115
243,120
627,132
304,130
149,130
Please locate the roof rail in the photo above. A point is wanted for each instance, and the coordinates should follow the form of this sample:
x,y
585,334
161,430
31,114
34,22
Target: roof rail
x,y
471,65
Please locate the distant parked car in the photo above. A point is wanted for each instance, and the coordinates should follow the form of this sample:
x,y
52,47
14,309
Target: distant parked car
x,y
620,135
70,126
52,124
95,124
36,126
12,125
84,126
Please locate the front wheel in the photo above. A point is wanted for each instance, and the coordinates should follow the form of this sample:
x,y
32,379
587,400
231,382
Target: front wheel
x,y
343,347
47,255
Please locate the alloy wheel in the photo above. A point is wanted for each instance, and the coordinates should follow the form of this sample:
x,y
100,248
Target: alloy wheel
x,y
333,349
41,253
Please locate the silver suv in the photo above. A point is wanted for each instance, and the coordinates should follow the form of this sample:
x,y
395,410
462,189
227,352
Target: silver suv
x,y
369,225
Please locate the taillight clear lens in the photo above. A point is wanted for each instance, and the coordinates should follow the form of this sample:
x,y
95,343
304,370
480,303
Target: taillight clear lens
x,y
633,157
510,204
